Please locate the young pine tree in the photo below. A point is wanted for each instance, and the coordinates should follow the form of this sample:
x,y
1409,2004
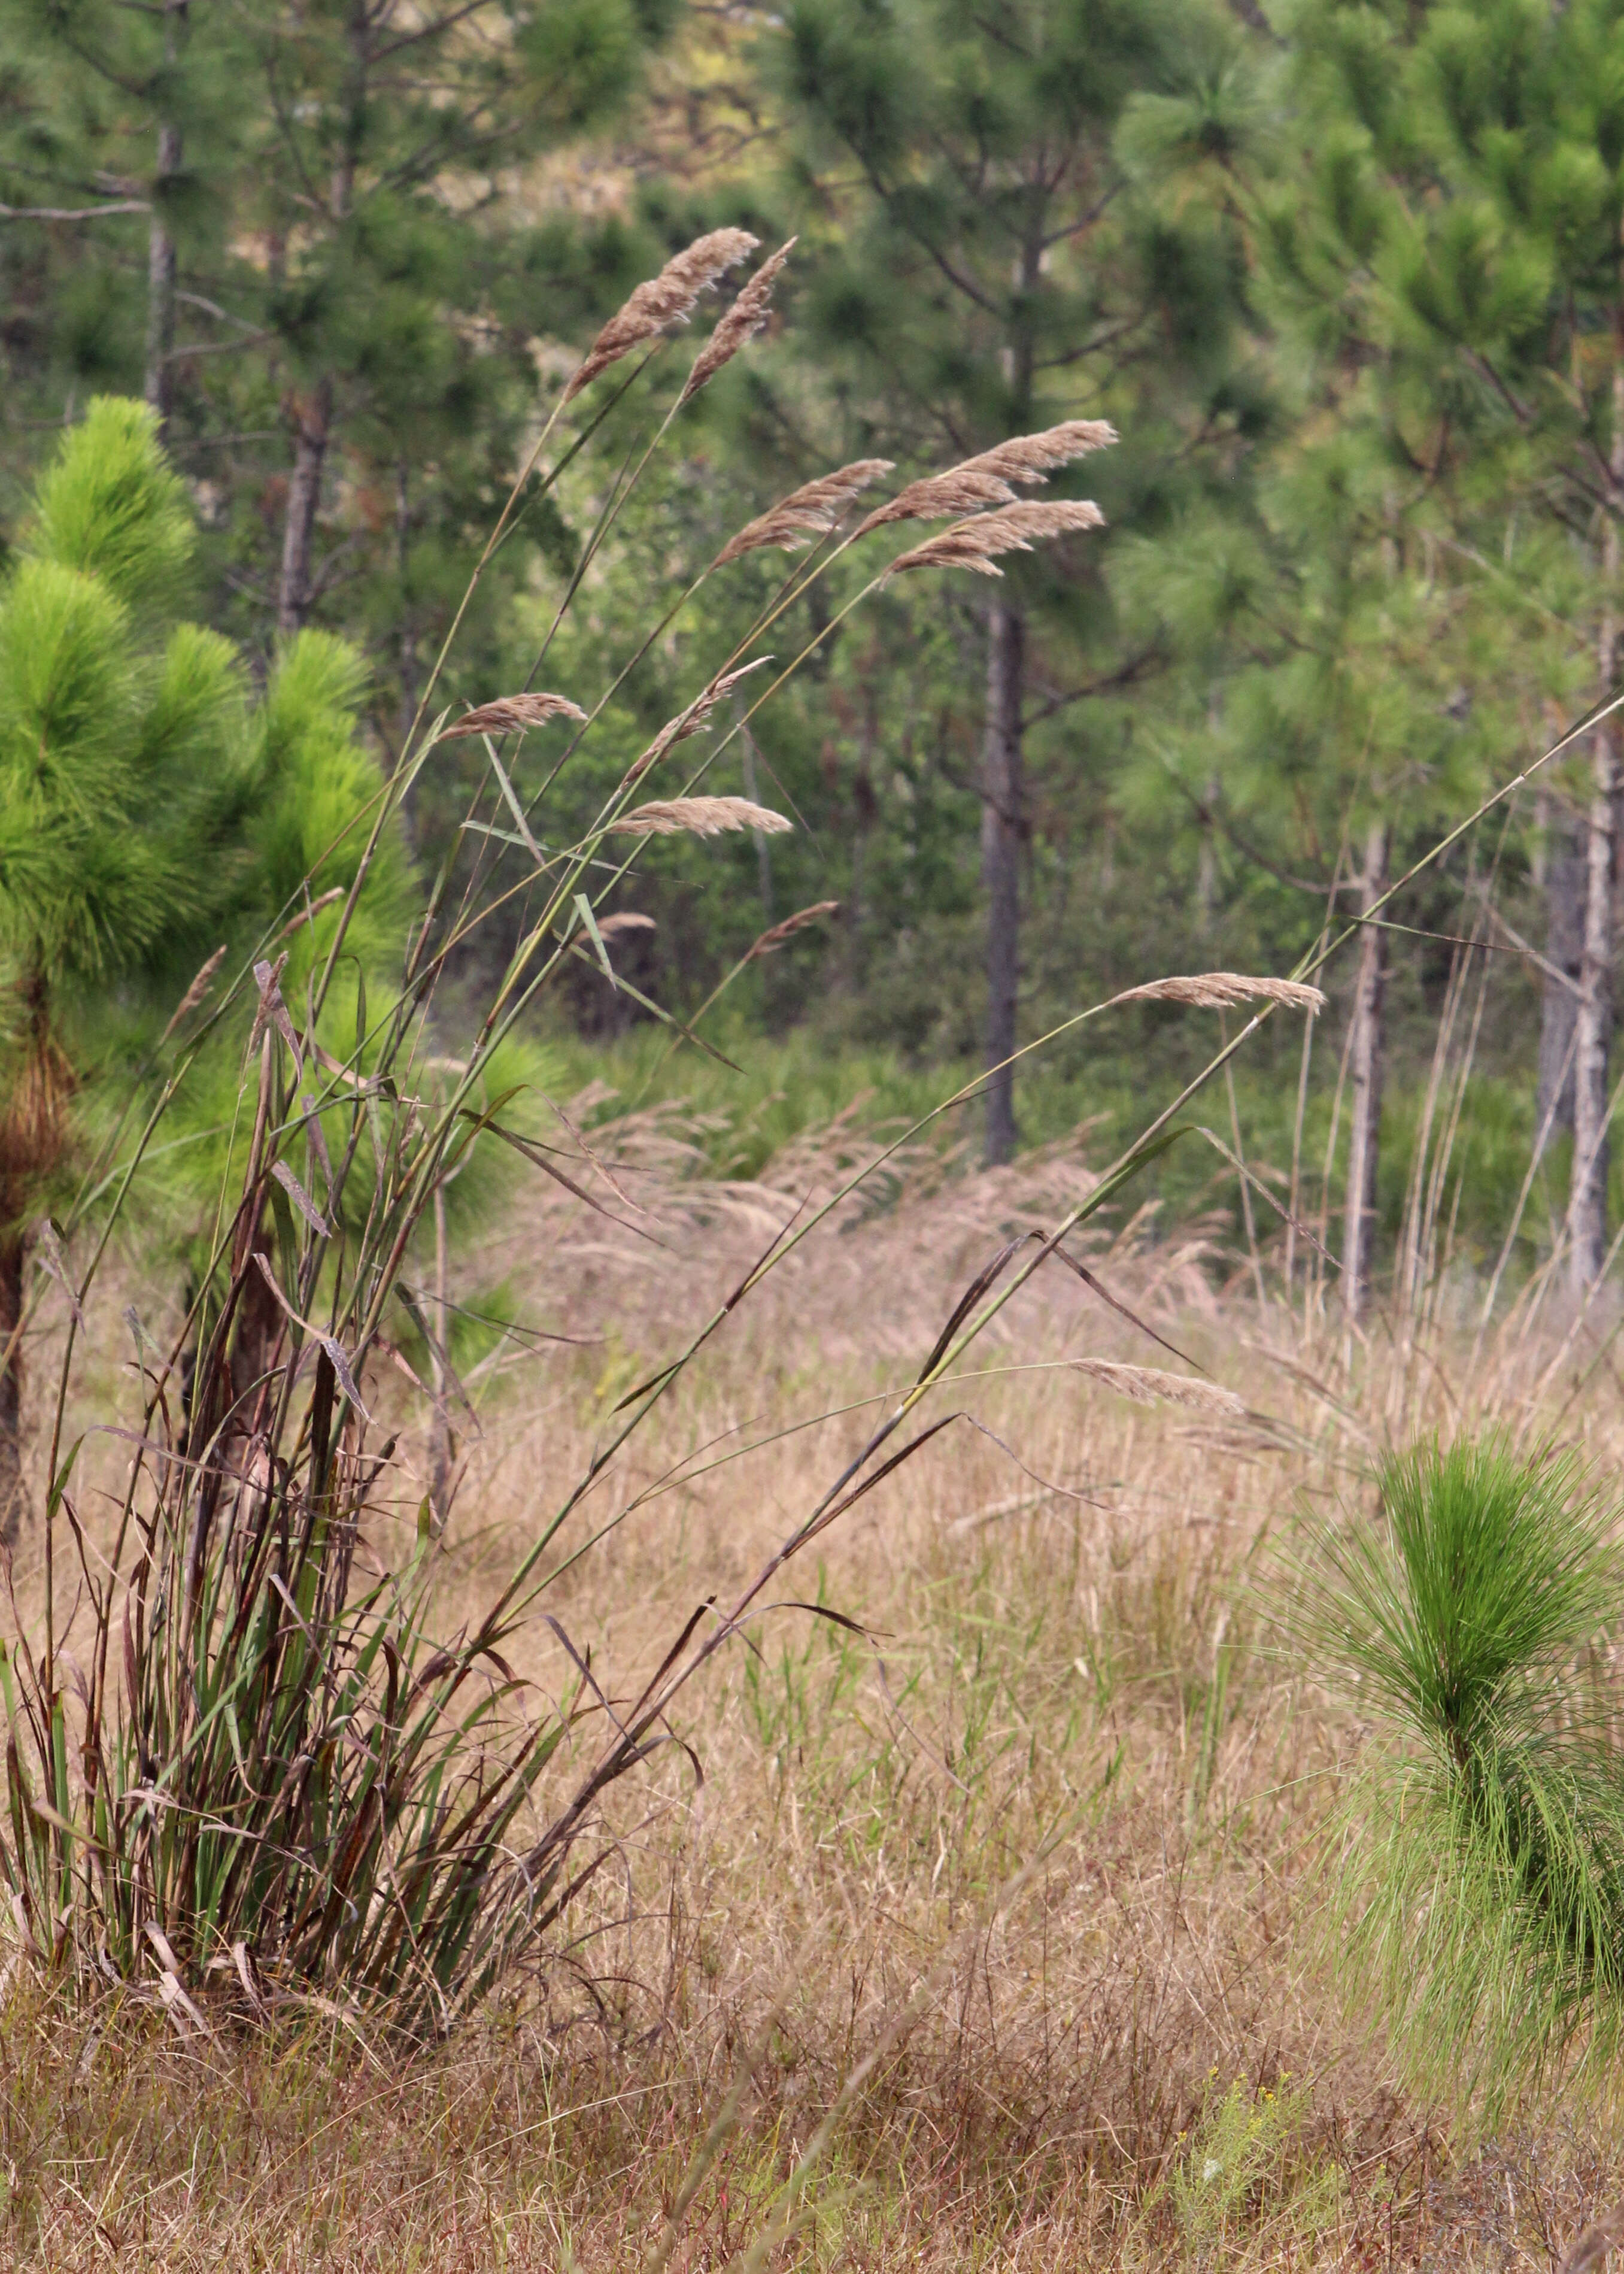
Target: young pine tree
x,y
150,811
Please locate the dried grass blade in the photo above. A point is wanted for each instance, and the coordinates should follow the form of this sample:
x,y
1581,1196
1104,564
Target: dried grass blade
x,y
301,1199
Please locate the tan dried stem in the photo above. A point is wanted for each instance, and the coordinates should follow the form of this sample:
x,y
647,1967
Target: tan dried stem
x,y
978,543
511,714
811,511
699,817
661,301
739,324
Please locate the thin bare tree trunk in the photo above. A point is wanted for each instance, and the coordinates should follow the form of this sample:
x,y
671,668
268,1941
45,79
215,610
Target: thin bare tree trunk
x,y
1002,794
160,256
1586,1196
312,413
1366,1068
1565,902
312,427
161,271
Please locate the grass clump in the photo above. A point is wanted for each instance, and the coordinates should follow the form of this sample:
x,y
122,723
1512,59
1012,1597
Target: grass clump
x,y
1478,1876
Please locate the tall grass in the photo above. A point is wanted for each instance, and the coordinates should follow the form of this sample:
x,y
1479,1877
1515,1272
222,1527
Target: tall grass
x,y
241,1761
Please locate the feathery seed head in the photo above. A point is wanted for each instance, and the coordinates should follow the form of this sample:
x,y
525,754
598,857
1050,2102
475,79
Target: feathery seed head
x,y
663,300
699,817
811,511
512,714
1223,991
737,324
977,544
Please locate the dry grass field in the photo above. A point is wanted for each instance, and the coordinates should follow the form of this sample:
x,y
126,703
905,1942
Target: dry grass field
x,y
1010,1869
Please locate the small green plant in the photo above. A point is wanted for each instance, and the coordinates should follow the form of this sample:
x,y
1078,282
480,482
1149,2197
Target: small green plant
x,y
1247,2167
1478,1878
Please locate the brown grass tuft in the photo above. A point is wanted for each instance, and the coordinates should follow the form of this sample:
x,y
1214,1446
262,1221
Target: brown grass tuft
x,y
977,544
511,714
811,511
1223,991
699,817
661,301
739,324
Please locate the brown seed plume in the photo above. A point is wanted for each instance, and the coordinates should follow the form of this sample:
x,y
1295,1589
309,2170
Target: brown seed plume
x,y
811,511
695,719
738,324
699,817
663,300
779,932
1032,458
624,920
977,544
195,993
1145,1384
936,496
1223,991
984,480
511,714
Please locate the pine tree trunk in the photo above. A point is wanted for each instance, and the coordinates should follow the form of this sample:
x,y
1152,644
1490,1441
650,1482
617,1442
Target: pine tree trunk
x,y
314,425
1001,790
1565,902
160,274
1587,1198
13,1251
161,257
1365,1065
1587,1194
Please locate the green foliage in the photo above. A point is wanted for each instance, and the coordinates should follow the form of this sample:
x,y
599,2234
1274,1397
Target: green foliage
x,y
1479,1880
1247,2169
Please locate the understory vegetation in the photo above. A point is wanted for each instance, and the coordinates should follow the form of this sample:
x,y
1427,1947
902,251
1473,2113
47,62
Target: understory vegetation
x,y
809,1254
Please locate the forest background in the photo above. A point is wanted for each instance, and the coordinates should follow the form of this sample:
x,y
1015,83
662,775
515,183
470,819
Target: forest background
x,y
1347,280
